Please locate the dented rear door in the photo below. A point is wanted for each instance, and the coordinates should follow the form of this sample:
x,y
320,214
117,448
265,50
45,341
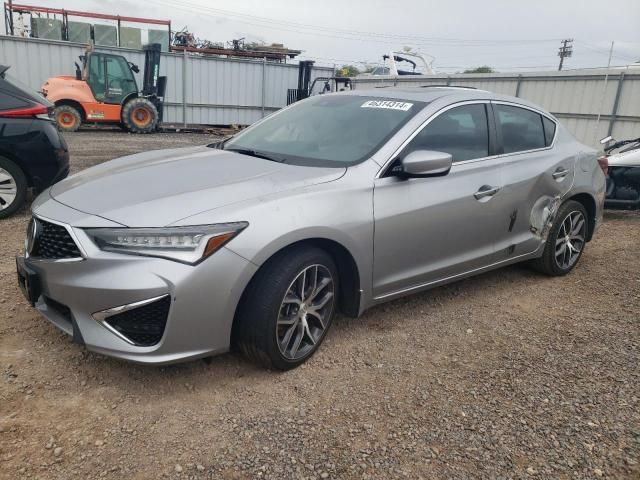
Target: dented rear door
x,y
535,182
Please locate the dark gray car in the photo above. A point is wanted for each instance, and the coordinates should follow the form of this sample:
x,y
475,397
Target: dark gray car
x,y
339,202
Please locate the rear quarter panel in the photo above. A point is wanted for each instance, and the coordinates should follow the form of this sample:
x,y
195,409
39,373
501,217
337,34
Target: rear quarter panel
x,y
590,179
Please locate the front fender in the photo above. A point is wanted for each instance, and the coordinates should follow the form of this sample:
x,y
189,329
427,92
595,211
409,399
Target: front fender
x,y
340,211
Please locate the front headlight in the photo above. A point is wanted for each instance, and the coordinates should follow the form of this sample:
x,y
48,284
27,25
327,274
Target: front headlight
x,y
182,244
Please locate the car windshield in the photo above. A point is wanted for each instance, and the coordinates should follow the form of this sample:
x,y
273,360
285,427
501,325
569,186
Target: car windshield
x,y
327,130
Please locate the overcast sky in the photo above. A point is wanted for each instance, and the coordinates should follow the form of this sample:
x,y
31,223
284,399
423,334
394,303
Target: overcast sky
x,y
509,35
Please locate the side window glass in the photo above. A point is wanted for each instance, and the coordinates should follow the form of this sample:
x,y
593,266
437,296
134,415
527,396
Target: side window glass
x,y
549,130
521,128
118,79
461,131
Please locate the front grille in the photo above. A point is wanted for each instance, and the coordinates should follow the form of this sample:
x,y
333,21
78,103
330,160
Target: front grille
x,y
144,325
54,242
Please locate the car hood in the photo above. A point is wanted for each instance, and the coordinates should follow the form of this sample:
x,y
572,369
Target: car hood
x,y
161,187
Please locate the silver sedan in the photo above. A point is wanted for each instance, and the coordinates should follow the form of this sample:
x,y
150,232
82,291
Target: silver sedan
x,y
336,203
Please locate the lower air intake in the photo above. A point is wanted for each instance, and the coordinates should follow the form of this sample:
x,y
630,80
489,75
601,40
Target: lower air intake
x,y
143,326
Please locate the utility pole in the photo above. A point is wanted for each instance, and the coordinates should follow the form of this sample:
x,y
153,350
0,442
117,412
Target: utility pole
x,y
565,50
604,87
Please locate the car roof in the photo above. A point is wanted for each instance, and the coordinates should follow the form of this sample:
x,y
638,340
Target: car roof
x,y
429,93
419,94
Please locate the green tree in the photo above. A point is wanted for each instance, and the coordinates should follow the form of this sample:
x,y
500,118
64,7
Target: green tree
x,y
347,71
482,69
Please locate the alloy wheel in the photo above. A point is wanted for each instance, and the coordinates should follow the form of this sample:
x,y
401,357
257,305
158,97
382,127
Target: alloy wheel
x,y
8,189
305,312
570,240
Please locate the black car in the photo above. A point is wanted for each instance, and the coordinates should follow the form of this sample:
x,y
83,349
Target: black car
x,y
33,153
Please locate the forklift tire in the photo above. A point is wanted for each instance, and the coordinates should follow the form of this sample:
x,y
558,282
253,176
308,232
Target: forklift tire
x,y
67,118
139,115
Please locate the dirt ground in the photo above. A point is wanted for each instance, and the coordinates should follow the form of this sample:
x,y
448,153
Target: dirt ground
x,y
505,375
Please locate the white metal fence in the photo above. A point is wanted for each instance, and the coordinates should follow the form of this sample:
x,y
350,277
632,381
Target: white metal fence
x,y
200,90
591,103
220,91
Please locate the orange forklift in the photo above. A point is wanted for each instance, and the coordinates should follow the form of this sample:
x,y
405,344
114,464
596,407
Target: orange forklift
x,y
104,90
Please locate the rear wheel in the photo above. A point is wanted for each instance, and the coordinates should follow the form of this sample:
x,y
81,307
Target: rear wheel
x,y
67,118
140,115
566,240
13,187
288,308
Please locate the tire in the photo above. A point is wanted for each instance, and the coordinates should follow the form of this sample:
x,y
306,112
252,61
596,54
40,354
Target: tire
x,y
67,118
557,258
13,187
139,115
270,309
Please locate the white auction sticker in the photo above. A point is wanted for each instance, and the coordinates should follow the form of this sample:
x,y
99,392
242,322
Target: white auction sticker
x,y
404,106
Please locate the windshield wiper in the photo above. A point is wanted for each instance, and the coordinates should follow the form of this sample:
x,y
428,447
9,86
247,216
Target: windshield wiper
x,y
254,153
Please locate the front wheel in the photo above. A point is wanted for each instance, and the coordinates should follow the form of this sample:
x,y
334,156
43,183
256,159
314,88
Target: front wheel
x,y
566,240
288,308
140,115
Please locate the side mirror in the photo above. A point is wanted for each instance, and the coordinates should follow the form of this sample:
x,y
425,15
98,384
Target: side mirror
x,y
424,163
78,72
606,139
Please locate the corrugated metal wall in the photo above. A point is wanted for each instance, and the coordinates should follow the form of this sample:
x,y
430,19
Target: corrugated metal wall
x,y
218,91
575,97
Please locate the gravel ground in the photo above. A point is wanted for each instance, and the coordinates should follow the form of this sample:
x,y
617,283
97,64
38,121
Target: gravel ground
x,y
505,375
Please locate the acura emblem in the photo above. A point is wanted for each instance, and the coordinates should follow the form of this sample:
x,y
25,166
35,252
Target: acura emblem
x,y
32,235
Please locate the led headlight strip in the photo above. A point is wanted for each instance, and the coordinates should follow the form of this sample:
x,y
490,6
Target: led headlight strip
x,y
182,244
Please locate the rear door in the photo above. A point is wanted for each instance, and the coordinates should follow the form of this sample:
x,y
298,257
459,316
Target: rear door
x,y
431,229
537,174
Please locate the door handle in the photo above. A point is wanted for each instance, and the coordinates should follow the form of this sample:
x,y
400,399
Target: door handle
x,y
486,191
560,173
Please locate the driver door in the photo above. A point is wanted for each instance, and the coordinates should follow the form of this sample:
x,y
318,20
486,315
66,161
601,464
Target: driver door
x,y
120,80
432,229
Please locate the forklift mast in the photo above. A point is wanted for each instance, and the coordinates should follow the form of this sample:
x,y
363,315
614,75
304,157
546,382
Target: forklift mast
x,y
153,85
304,78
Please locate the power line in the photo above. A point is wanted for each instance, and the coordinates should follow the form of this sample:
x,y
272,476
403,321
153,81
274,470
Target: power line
x,y
355,35
341,33
606,52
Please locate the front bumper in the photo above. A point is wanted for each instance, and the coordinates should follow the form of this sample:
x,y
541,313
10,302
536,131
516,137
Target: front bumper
x,y
203,298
